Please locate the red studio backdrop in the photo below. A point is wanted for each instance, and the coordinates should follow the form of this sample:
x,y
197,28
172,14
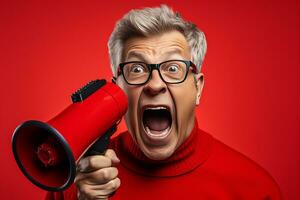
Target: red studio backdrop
x,y
252,90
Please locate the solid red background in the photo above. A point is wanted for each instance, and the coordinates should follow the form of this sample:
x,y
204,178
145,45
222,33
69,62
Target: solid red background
x,y
251,96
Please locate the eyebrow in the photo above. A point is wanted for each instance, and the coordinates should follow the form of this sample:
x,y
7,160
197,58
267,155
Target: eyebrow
x,y
143,59
137,55
174,51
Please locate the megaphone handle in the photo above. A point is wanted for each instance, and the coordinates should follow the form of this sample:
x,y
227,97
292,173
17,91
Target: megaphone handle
x,y
100,146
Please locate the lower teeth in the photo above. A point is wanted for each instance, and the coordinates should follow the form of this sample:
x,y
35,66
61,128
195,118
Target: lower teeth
x,y
161,134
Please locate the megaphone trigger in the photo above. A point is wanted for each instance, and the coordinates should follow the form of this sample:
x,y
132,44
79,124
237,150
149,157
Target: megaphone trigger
x,y
101,144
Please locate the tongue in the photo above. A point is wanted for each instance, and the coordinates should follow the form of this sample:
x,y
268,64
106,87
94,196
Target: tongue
x,y
156,124
156,121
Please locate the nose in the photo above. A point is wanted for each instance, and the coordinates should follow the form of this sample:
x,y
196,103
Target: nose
x,y
155,85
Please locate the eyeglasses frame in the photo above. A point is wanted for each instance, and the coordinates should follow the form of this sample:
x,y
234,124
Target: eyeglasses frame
x,y
152,67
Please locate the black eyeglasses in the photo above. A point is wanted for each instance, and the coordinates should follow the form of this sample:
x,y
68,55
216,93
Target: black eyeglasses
x,y
171,71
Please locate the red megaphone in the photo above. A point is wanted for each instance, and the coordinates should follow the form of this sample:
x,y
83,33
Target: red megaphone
x,y
47,152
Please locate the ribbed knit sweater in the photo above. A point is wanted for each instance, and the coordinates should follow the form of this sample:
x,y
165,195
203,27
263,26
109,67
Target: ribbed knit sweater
x,y
201,168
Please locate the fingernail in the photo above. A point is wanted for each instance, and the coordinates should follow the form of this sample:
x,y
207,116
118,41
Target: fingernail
x,y
80,166
116,159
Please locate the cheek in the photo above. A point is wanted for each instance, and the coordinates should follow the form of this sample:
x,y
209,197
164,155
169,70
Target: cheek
x,y
185,104
133,95
185,101
133,99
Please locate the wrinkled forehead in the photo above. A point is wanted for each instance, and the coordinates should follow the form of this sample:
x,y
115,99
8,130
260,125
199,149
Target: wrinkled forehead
x,y
159,47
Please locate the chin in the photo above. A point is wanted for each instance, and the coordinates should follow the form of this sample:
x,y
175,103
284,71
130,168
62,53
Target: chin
x,y
158,149
158,153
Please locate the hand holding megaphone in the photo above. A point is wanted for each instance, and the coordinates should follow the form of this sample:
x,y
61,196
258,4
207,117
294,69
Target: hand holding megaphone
x,y
47,152
97,176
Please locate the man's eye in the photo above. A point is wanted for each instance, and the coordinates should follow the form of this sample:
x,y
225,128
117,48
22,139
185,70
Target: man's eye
x,y
173,68
137,69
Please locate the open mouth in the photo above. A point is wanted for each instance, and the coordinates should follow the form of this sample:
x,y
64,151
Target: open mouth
x,y
157,121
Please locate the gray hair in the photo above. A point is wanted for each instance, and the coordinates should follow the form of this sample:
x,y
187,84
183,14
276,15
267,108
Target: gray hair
x,y
148,21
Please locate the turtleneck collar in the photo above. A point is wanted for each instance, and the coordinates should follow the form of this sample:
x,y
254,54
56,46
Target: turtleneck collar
x,y
193,152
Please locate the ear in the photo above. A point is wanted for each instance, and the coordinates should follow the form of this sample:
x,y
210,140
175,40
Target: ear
x,y
199,86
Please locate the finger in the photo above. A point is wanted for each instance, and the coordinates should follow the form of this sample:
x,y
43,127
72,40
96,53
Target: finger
x,y
86,193
100,176
97,197
90,194
112,155
100,191
92,163
84,197
109,187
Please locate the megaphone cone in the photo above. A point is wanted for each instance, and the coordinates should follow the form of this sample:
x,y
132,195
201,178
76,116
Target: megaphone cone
x,y
44,156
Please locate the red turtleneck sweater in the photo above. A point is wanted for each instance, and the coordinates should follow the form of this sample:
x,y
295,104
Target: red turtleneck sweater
x,y
201,168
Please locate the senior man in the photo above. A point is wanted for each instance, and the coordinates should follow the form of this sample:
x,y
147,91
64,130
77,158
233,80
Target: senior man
x,y
156,59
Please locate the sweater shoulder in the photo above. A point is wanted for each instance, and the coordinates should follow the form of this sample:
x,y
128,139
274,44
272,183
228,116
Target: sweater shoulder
x,y
234,160
240,169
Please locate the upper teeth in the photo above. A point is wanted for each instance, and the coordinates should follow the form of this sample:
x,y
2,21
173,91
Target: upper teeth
x,y
156,108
